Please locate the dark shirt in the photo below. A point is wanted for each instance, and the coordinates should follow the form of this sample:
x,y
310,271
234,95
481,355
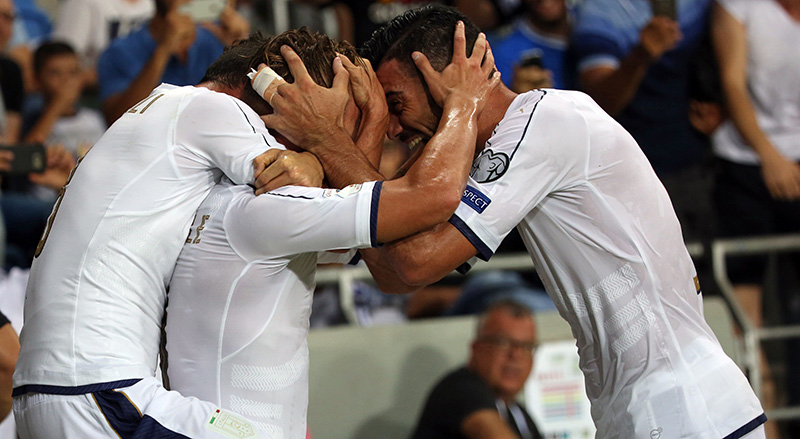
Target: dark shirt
x,y
3,320
11,84
460,394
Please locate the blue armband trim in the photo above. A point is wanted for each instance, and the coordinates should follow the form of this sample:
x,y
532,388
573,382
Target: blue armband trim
x,y
373,220
76,390
484,252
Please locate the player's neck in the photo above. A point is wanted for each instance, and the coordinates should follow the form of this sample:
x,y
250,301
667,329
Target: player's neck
x,y
219,88
792,8
497,104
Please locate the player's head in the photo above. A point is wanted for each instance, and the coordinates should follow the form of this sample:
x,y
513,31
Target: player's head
x,y
414,114
55,64
502,352
317,52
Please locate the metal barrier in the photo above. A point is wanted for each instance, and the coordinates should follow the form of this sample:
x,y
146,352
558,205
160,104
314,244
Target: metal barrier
x,y
752,336
344,277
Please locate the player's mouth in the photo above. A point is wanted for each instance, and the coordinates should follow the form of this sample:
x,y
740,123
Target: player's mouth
x,y
417,141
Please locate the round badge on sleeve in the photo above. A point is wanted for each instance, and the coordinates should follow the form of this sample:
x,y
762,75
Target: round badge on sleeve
x,y
489,166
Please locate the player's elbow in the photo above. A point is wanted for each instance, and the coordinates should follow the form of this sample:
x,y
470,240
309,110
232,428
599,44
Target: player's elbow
x,y
400,287
417,275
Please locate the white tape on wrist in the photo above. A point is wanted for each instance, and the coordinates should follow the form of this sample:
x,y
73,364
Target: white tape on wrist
x,y
263,79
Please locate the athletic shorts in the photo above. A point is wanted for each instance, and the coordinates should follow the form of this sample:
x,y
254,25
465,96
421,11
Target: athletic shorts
x,y
745,208
138,411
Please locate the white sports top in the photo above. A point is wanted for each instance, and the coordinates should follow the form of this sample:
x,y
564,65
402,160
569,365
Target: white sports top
x,y
96,293
604,238
240,297
773,80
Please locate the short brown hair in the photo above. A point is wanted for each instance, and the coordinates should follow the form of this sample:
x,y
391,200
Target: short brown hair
x,y
316,50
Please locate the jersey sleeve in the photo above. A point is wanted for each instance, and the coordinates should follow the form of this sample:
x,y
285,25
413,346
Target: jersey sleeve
x,y
350,257
225,132
296,219
536,151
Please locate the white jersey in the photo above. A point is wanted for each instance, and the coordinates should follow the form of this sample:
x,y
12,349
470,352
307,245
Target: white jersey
x,y
603,236
773,80
96,293
240,297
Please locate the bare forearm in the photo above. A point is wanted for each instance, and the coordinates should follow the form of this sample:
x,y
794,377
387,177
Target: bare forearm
x,y
371,134
13,127
344,164
448,156
9,350
613,90
385,276
743,116
418,260
41,130
150,76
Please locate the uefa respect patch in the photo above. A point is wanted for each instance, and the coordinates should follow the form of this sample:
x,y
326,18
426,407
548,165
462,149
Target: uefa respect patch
x,y
475,199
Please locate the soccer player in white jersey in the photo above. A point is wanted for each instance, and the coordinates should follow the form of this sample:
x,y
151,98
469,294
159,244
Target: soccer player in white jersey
x,y
596,221
97,287
240,296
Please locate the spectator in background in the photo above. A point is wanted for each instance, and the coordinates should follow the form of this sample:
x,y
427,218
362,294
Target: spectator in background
x,y
171,48
635,65
369,15
479,401
90,25
25,212
31,27
9,350
757,190
11,85
62,121
530,53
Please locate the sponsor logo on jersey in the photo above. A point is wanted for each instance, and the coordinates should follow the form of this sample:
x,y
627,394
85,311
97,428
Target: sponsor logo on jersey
x,y
489,166
230,425
475,199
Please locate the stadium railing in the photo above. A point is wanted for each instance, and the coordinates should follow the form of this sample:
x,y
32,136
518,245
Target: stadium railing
x,y
749,342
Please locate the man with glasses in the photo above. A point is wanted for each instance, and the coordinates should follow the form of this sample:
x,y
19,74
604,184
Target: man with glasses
x,y
478,400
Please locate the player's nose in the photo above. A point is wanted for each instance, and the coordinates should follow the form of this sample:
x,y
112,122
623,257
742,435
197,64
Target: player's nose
x,y
395,128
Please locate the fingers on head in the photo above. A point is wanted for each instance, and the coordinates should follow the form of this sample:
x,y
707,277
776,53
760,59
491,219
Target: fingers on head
x,y
488,60
459,42
480,47
296,66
